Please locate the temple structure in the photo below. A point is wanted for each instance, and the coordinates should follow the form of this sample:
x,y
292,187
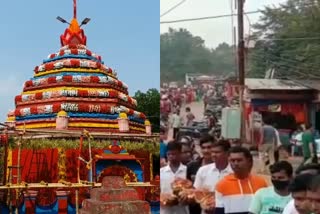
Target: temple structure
x,y
74,90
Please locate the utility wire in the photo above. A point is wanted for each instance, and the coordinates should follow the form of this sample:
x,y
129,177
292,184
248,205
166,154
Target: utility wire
x,y
275,59
291,61
296,71
207,17
172,8
275,63
292,39
300,51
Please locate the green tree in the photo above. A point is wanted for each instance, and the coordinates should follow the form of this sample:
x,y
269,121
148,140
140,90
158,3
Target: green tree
x,y
287,40
181,53
149,104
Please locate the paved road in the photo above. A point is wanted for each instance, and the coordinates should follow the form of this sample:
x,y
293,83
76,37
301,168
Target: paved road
x,y
196,108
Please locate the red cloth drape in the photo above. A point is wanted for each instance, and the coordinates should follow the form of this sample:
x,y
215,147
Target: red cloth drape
x,y
297,110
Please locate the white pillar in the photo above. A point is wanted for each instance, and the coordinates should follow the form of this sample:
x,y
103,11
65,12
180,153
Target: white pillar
x,y
62,120
148,127
123,122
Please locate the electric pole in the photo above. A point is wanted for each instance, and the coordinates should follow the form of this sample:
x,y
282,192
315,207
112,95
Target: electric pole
x,y
241,67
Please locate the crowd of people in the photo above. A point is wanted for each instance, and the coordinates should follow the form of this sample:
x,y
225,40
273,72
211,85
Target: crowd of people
x,y
226,171
173,99
303,142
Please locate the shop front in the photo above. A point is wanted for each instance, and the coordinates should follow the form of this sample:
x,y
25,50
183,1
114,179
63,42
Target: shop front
x,y
284,116
285,104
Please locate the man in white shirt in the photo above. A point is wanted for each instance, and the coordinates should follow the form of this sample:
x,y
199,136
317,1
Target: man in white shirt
x,y
175,169
176,122
300,204
208,176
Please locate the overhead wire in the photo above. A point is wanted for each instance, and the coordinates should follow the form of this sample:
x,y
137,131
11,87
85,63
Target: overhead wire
x,y
275,63
206,17
310,65
231,15
301,74
172,8
293,68
288,39
310,76
297,51
305,65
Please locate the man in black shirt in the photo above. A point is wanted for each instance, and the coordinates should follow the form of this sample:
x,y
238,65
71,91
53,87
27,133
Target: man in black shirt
x,y
186,153
193,167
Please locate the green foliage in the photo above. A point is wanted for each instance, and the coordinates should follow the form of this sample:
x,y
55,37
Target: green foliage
x,y
183,53
282,51
149,104
152,147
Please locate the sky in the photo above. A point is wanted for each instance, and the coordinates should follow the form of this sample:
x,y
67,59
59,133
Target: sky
x,y
125,33
213,31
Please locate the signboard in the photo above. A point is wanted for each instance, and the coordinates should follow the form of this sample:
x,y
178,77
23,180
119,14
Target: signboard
x,y
274,108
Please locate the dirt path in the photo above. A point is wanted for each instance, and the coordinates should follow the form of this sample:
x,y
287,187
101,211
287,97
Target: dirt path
x,y
196,109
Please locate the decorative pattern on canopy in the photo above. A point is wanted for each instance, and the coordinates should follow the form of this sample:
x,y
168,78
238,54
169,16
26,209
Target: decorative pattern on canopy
x,y
76,81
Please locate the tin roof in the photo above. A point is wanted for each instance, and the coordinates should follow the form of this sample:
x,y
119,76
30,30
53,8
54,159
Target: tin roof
x,y
314,84
274,84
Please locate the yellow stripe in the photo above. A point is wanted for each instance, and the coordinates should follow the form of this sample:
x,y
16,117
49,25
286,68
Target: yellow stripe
x,y
93,125
53,125
35,126
73,70
9,162
66,88
77,124
137,129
